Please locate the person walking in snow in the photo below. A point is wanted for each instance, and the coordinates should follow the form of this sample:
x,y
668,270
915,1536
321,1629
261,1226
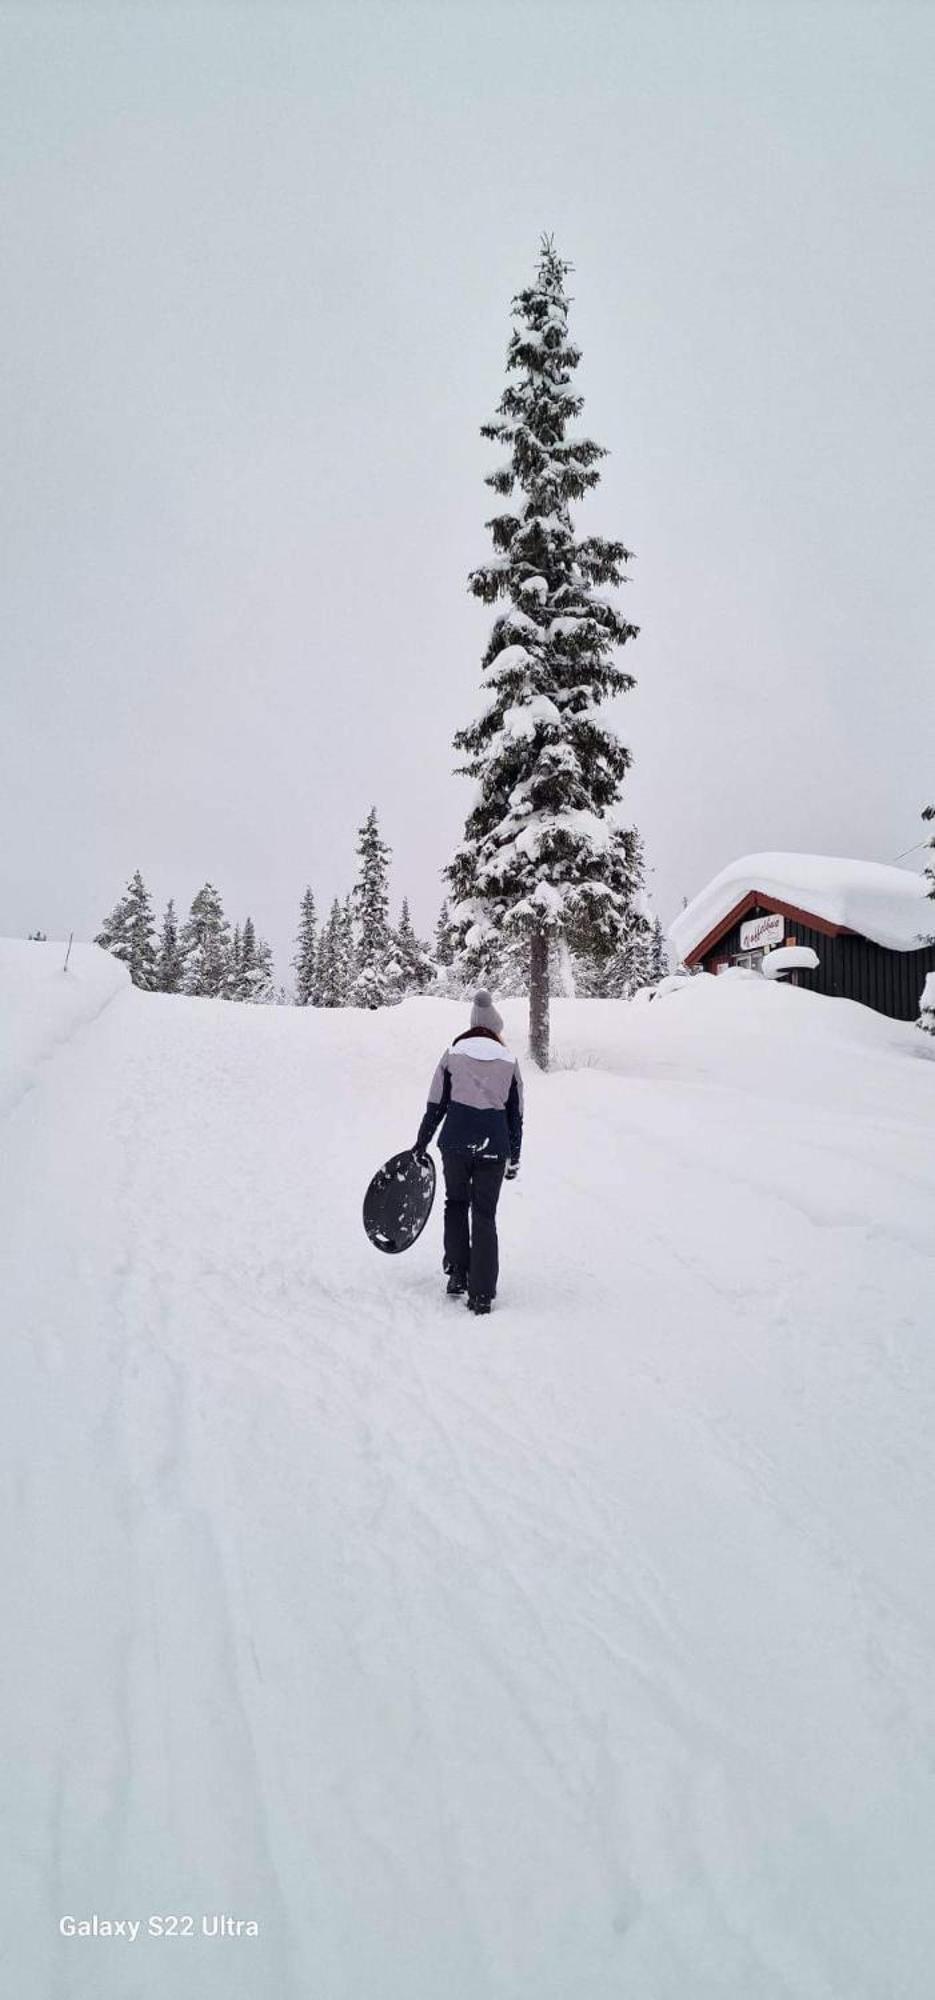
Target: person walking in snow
x,y
478,1090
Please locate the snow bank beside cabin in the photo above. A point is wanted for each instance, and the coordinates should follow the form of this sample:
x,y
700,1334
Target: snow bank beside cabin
x,y
888,905
42,1006
741,1033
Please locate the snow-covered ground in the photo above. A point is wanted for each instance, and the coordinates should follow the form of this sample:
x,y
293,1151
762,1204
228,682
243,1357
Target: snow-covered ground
x,y
584,1651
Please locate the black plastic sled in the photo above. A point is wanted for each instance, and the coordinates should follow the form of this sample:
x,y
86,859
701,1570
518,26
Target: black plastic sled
x,y
398,1202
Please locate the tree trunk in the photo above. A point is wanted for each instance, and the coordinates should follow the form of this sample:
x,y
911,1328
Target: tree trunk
x,y
539,999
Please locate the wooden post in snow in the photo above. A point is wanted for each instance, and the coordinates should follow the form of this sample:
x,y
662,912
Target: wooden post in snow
x,y
539,999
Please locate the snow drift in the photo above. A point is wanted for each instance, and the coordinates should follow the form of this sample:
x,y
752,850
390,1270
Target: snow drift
x,y
42,1004
587,1650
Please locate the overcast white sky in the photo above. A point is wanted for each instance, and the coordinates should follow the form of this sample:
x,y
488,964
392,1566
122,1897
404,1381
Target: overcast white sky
x,y
257,265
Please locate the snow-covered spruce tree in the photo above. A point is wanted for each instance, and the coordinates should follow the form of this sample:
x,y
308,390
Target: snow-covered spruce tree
x,y
205,945
630,967
255,974
624,972
371,907
128,933
413,957
445,938
541,856
249,966
927,1016
306,952
449,978
328,971
232,985
169,961
347,950
658,955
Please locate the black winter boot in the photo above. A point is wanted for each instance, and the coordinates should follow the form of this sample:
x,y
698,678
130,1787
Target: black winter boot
x,y
479,1305
457,1283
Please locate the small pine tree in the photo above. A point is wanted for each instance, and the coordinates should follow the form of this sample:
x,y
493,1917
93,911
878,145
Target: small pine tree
x,y
628,969
446,937
128,933
371,908
256,967
542,857
205,944
305,962
169,961
413,957
347,950
658,955
641,954
264,984
329,981
246,959
233,984
450,976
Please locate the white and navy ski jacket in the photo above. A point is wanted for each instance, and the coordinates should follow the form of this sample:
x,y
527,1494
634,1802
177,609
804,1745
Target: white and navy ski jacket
x,y
478,1090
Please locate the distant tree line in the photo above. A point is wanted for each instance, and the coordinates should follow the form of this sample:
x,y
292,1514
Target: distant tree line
x,y
202,956
353,957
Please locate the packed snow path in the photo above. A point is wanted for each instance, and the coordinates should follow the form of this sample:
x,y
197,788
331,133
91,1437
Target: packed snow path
x,y
584,1651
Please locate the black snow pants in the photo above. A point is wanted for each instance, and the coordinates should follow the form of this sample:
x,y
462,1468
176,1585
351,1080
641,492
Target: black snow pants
x,y
472,1186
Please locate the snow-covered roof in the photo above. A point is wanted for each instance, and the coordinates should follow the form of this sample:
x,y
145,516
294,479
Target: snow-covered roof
x,y
888,905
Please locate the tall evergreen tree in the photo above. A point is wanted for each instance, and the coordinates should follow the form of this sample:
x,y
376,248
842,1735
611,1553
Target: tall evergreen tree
x,y
305,961
169,961
541,855
371,909
128,933
205,945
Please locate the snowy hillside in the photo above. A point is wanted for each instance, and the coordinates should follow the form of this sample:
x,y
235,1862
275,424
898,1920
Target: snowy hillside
x,y
585,1651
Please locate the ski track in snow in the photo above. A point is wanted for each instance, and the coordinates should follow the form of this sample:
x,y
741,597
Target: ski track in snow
x,y
584,1651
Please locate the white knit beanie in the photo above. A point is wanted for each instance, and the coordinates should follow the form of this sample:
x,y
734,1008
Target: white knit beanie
x,y
484,1013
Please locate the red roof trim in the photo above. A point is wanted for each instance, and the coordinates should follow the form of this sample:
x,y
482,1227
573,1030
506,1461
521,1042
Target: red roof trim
x,y
756,898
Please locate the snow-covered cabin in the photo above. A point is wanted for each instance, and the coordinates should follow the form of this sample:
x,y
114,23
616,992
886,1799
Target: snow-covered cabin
x,y
872,926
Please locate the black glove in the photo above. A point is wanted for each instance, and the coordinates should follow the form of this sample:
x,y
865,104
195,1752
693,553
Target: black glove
x,y
512,1170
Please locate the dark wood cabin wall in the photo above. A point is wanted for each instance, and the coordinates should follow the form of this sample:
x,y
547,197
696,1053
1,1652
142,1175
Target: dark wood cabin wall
x,y
849,967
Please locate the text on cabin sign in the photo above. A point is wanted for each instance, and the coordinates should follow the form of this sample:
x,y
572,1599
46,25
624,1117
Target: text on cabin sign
x,y
758,932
